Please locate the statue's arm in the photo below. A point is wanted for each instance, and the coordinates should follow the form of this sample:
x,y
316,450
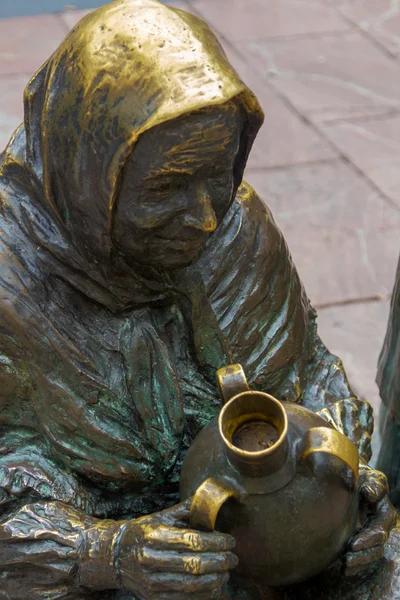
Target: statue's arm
x,y
327,391
50,548
45,546
45,519
267,318
265,315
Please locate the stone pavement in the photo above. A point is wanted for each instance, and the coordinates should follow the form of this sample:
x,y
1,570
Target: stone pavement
x,y
327,161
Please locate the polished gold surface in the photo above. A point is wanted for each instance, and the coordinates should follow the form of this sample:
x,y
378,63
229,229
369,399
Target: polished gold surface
x,y
207,502
333,443
250,407
231,381
245,407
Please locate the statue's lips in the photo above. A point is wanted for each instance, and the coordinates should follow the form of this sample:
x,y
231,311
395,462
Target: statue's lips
x,y
184,244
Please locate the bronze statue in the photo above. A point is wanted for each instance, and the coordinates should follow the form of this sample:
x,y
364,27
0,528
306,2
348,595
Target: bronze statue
x,y
134,264
389,386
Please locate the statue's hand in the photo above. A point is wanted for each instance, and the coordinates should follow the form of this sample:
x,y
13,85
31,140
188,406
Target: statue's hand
x,y
353,418
160,558
380,517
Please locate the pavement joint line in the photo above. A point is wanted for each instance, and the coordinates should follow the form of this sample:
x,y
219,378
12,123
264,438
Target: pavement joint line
x,y
390,114
285,37
388,200
295,36
380,46
352,301
15,75
306,163
304,118
369,37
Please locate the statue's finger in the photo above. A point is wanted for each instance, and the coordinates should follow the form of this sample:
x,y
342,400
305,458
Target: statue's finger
x,y
374,486
178,513
185,584
356,561
213,595
183,596
326,415
338,414
364,446
378,528
185,562
172,538
365,415
368,539
350,409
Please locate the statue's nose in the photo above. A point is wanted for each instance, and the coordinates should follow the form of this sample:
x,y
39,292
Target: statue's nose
x,y
202,215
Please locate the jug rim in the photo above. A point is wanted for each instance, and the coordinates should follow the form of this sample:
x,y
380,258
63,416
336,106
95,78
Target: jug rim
x,y
282,427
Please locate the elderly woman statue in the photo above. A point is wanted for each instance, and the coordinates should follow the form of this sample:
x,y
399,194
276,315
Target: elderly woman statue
x,y
134,263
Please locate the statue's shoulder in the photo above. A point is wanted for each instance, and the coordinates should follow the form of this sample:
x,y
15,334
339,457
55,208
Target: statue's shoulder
x,y
249,201
249,221
253,210
247,233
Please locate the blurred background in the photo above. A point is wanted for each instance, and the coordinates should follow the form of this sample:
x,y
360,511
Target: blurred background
x,y
327,161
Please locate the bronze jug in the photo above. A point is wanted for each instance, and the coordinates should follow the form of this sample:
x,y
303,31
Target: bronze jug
x,y
278,478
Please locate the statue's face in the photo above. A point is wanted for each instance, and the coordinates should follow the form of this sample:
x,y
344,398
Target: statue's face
x,y
176,188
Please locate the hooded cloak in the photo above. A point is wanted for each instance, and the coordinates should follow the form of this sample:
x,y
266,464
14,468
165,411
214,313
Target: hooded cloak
x,y
107,372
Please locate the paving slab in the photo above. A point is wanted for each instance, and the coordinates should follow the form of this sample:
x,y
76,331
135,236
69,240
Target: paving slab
x,y
378,18
374,146
27,42
11,105
285,138
258,19
329,76
343,236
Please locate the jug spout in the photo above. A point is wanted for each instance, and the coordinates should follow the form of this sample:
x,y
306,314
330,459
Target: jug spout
x,y
253,425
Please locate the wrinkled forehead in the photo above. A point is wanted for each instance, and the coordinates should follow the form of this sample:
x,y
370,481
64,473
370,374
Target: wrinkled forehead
x,y
200,137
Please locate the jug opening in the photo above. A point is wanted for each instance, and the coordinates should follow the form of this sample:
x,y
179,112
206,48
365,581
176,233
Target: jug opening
x,y
255,435
253,427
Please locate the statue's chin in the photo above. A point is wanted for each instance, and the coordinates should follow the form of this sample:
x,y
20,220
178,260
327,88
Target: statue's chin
x,y
171,261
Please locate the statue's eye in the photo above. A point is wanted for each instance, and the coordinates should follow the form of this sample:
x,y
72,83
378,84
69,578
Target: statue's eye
x,y
166,188
220,178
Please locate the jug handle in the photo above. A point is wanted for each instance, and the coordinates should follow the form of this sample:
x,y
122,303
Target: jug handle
x,y
231,381
331,442
207,502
